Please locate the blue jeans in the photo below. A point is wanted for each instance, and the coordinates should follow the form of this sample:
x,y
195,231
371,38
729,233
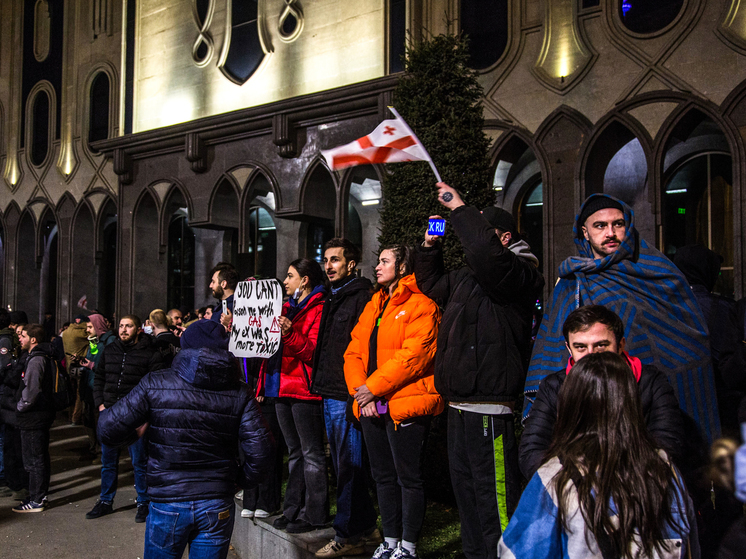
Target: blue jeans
x,y
110,470
355,512
205,525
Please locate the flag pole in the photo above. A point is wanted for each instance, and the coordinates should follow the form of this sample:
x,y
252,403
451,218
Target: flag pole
x,y
429,159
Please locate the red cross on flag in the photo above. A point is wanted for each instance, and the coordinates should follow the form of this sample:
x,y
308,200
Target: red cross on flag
x,y
391,142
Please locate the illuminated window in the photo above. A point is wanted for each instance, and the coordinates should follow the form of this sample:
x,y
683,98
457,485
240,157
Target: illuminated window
x,y
486,24
98,119
531,221
180,263
262,248
244,50
397,34
40,128
644,16
698,209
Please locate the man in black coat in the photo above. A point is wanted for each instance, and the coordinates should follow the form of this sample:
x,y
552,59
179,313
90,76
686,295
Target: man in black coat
x,y
197,413
35,413
124,363
356,518
484,345
592,329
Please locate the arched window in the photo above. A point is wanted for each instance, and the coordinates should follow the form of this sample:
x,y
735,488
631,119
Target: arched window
x,y
397,34
698,209
98,123
180,262
242,51
486,24
40,128
262,247
317,236
531,220
646,16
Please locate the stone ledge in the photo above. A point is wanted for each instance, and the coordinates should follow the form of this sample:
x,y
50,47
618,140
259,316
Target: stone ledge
x,y
256,538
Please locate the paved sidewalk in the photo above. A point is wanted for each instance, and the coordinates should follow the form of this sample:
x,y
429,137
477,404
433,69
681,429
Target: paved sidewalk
x,y
62,531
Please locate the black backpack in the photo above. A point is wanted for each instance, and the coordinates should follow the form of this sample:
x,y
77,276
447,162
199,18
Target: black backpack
x,y
63,394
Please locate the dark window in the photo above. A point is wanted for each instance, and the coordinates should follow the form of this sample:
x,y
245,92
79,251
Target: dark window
x,y
589,3
486,24
40,128
108,269
698,209
318,235
245,52
180,264
99,108
262,251
397,34
646,16
531,221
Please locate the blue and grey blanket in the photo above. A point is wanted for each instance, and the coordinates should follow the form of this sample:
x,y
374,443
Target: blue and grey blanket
x,y
664,325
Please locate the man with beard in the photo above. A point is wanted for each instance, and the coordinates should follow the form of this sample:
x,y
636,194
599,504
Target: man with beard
x,y
124,362
355,522
663,324
480,364
223,283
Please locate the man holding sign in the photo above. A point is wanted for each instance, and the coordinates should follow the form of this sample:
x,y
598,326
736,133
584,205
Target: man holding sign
x,y
480,365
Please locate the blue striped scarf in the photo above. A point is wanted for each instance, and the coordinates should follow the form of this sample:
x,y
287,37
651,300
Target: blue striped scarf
x,y
664,326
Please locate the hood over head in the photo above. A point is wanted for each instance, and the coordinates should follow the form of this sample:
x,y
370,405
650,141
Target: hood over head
x,y
699,264
206,367
99,324
629,246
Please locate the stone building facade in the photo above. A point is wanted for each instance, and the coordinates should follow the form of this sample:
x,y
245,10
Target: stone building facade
x,y
142,141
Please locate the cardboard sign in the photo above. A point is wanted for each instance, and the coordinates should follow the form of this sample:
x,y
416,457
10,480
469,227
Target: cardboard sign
x,y
436,227
257,305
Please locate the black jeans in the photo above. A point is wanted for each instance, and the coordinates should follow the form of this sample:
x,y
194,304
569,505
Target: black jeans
x,y
35,444
396,455
306,494
15,474
483,459
267,495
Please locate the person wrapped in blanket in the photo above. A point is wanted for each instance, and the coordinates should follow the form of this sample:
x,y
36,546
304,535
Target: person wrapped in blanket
x,y
604,489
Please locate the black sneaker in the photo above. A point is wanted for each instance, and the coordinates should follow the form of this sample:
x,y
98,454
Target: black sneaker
x,y
281,522
101,508
142,512
30,506
300,527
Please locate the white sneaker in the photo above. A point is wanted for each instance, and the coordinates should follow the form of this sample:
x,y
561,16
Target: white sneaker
x,y
246,513
239,495
259,513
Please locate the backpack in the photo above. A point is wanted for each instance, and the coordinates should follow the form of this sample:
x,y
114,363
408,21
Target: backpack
x,y
63,394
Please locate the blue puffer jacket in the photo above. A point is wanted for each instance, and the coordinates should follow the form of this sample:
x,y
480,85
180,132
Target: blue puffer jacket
x,y
198,413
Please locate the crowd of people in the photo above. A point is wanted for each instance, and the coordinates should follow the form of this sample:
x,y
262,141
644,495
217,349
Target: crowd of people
x,y
621,390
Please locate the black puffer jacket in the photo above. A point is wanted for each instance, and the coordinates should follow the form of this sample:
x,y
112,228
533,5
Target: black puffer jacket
x,y
484,342
122,366
198,411
340,315
659,405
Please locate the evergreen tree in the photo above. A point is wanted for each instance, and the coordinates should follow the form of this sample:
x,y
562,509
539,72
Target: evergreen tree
x,y
438,96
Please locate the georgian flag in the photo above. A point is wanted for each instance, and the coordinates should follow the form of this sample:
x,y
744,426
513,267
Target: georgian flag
x,y
391,142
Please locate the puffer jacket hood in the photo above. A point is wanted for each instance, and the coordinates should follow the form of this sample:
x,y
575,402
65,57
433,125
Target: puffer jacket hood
x,y
206,368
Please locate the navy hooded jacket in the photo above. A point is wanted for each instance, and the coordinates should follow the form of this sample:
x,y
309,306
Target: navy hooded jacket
x,y
198,413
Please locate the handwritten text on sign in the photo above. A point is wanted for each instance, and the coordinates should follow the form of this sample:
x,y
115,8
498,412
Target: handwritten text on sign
x,y
256,308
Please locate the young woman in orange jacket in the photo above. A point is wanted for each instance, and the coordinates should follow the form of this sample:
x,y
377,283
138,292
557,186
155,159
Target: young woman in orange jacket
x,y
389,372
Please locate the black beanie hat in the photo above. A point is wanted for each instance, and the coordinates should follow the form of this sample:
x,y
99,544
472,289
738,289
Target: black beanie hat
x,y
500,219
205,333
594,204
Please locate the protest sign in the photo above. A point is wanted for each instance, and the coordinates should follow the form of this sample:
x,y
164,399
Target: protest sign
x,y
257,305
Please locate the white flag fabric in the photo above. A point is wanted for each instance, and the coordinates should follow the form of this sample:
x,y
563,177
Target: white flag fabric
x,y
391,142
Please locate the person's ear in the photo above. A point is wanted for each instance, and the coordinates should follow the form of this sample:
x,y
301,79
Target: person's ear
x,y
351,265
622,345
568,348
585,233
505,238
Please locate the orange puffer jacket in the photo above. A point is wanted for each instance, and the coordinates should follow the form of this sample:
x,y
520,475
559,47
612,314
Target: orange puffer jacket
x,y
407,338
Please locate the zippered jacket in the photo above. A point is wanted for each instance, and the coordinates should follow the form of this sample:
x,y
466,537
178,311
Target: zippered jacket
x,y
406,346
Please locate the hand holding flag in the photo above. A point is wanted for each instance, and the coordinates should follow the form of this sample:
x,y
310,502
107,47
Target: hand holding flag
x,y
391,142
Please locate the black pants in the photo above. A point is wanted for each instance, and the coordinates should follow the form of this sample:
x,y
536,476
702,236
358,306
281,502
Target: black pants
x,y
35,443
396,456
15,475
483,459
267,495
